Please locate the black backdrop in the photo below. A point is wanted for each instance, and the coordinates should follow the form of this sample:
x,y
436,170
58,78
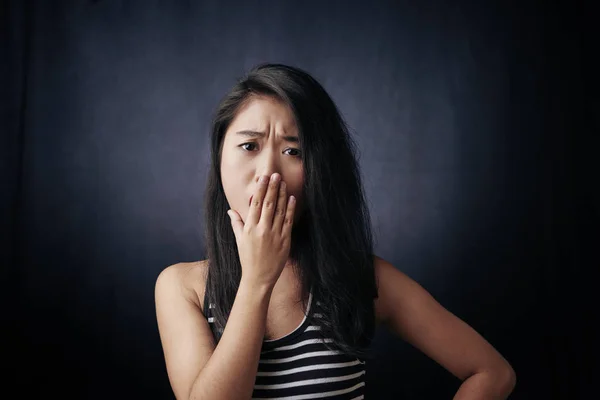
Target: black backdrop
x,y
469,119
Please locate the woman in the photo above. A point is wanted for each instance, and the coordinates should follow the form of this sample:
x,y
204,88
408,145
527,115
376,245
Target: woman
x,y
287,302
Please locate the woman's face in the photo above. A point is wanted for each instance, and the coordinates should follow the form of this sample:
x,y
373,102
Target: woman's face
x,y
261,140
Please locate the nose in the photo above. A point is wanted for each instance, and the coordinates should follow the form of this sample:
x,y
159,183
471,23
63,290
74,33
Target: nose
x,y
268,166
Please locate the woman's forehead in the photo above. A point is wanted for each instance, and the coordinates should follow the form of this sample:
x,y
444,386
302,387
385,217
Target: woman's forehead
x,y
261,112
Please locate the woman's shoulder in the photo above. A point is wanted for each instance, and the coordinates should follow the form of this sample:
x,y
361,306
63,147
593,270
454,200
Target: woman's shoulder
x,y
190,277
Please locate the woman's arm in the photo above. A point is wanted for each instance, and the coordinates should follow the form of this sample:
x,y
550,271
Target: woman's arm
x,y
196,368
410,312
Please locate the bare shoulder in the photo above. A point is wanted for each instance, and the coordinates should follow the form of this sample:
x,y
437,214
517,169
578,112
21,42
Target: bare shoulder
x,y
185,334
187,278
381,267
393,287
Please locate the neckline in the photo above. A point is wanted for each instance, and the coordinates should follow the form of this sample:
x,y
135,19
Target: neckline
x,y
272,342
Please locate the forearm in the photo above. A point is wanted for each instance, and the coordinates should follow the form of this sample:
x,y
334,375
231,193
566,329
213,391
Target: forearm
x,y
486,386
230,372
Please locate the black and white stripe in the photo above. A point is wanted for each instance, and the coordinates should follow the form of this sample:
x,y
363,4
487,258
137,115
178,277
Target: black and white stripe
x,y
299,366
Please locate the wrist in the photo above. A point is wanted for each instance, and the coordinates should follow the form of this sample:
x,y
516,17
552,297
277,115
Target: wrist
x,y
248,285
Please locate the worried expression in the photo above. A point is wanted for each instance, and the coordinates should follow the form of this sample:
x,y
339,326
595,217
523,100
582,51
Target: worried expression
x,y
262,139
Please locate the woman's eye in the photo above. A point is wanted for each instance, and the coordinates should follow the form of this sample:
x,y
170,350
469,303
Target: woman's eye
x,y
253,145
246,144
296,150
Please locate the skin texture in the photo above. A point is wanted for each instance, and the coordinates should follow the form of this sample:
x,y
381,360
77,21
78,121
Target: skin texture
x,y
264,240
245,158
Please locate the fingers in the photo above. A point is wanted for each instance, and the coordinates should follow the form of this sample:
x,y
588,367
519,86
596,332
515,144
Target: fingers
x,y
286,229
257,201
281,208
266,217
271,206
236,222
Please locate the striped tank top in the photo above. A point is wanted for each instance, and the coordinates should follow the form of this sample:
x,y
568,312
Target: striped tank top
x,y
299,366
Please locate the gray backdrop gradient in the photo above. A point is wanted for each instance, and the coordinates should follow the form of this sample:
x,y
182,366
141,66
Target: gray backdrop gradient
x,y
463,115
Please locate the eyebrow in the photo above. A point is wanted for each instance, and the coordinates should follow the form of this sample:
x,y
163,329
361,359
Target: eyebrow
x,y
287,138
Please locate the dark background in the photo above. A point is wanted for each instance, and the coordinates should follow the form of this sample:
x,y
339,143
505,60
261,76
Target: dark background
x,y
471,121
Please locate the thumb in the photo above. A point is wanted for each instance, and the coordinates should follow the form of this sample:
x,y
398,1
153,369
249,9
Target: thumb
x,y
236,221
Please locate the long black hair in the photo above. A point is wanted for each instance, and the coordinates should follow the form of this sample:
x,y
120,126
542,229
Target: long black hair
x,y
332,242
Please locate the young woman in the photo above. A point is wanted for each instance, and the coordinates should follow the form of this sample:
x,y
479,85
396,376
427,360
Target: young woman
x,y
288,299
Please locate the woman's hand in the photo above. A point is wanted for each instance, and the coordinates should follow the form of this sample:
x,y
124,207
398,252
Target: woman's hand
x,y
264,240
